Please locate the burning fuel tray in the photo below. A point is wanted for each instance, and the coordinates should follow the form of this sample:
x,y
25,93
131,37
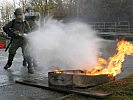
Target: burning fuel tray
x,y
77,78
72,79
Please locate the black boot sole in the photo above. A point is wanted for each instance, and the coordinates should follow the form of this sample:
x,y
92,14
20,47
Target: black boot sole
x,y
6,68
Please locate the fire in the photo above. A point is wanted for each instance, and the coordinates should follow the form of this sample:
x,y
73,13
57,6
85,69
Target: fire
x,y
58,72
114,64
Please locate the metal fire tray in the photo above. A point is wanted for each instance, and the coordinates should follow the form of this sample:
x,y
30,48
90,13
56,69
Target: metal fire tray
x,y
76,78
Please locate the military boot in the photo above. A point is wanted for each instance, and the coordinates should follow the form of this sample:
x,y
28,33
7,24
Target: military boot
x,y
6,66
9,62
31,70
30,67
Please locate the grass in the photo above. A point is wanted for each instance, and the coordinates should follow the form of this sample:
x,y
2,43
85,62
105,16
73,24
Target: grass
x,y
121,89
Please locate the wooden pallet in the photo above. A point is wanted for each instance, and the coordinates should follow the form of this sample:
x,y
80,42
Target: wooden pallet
x,y
83,92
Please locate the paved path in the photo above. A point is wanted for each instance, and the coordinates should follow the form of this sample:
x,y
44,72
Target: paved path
x,y
9,90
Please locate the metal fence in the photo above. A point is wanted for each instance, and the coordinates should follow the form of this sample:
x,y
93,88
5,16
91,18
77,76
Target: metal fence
x,y
122,26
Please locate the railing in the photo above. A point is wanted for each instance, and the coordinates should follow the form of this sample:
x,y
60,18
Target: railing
x,y
122,26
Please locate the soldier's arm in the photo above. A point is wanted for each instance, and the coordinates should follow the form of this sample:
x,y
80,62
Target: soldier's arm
x,y
28,29
7,27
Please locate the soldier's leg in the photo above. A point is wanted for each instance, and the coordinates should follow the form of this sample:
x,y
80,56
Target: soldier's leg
x,y
28,59
24,59
30,67
12,51
34,62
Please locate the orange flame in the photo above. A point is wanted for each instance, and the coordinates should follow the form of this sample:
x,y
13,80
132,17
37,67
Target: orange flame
x,y
58,72
114,64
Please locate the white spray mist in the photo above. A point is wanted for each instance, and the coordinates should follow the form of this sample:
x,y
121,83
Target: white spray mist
x,y
72,45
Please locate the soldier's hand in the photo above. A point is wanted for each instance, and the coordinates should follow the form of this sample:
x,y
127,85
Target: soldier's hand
x,y
16,33
22,35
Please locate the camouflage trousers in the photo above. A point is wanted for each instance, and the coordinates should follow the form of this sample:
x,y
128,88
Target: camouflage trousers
x,y
17,43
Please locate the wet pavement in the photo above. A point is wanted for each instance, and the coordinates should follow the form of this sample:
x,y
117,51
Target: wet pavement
x,y
9,90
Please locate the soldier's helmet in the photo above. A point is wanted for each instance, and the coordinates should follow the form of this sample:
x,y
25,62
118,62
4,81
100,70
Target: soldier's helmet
x,y
19,11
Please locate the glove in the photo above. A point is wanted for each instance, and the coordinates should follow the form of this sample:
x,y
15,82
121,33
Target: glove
x,y
16,33
22,35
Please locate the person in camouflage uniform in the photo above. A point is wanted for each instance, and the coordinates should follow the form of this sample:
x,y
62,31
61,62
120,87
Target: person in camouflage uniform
x,y
31,18
16,29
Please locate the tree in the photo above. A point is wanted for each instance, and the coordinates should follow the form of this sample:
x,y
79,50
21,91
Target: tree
x,y
24,4
7,12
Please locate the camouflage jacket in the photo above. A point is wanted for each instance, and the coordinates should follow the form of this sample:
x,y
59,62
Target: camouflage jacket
x,y
33,25
16,27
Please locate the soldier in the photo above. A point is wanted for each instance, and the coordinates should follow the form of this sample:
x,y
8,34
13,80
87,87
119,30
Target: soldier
x,y
16,29
31,17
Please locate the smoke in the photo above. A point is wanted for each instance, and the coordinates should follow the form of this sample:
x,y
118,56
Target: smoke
x,y
72,45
